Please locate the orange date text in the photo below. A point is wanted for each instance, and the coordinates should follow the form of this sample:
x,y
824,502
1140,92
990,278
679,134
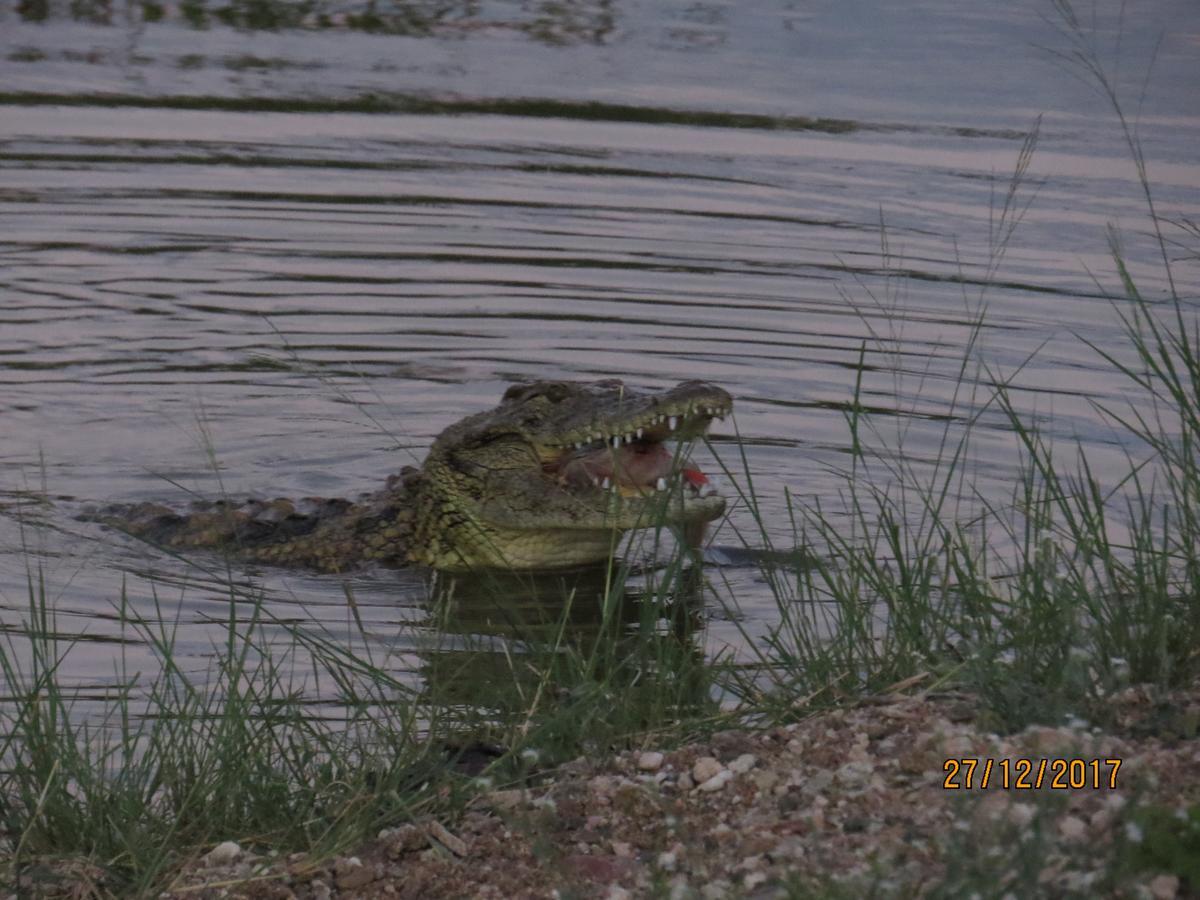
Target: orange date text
x,y
1030,774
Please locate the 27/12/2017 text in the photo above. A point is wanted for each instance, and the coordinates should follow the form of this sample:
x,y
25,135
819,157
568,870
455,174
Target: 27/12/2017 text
x,y
1030,774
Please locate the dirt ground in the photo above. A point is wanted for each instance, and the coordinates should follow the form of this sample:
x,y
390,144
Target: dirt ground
x,y
851,803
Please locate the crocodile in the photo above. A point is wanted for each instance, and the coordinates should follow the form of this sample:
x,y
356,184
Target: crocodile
x,y
551,478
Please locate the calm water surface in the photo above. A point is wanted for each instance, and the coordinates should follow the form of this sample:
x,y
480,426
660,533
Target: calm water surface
x,y
313,248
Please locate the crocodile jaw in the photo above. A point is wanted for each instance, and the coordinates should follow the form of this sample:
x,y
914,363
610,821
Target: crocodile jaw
x,y
548,484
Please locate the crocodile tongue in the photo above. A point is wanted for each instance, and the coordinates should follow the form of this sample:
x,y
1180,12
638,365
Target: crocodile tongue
x,y
639,465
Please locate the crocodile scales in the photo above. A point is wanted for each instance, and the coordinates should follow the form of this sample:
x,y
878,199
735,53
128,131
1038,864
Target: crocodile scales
x,y
549,479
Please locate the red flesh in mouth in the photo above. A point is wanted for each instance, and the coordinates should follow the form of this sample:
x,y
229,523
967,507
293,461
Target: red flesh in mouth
x,y
638,465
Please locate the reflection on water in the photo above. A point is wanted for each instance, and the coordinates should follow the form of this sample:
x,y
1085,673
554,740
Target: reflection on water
x,y
508,644
248,255
552,22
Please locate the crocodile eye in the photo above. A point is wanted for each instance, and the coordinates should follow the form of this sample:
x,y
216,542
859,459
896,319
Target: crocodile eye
x,y
554,391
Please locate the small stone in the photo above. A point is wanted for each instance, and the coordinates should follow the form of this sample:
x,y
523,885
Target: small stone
x,y
684,782
855,774
1072,828
716,890
320,890
743,764
1164,887
650,761
667,861
717,782
506,799
753,880
616,892
1021,814
722,833
705,768
454,844
602,786
405,839
351,874
622,849
789,803
224,854
765,780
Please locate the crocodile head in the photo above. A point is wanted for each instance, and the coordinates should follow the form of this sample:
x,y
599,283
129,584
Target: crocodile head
x,y
553,476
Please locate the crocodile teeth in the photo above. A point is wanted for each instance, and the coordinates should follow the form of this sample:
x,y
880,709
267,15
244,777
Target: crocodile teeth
x,y
661,484
672,422
616,440
639,434
606,484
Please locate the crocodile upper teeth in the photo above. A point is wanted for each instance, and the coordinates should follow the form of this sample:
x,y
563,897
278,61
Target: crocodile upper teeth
x,y
639,434
661,484
672,422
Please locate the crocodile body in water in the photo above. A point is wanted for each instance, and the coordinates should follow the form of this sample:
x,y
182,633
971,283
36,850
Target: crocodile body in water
x,y
549,479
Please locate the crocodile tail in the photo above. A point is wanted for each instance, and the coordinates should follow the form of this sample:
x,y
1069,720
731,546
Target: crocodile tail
x,y
253,528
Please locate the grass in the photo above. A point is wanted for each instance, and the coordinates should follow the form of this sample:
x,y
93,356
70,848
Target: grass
x,y
1042,607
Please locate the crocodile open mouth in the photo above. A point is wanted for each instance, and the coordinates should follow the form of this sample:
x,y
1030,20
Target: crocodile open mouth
x,y
636,460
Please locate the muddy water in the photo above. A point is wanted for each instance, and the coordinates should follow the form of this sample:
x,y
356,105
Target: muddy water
x,y
278,261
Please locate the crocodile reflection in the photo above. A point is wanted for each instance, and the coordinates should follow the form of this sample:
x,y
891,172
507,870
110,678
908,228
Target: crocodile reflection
x,y
506,643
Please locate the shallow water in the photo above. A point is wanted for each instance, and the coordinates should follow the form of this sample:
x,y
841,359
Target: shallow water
x,y
303,253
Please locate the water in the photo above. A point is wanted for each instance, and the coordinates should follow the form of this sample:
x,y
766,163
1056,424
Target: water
x,y
310,250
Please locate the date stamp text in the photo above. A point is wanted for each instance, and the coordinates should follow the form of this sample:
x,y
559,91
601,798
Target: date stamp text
x,y
1031,774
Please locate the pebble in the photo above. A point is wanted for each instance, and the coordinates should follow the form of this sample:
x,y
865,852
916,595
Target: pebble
x,y
717,782
1072,828
404,839
765,780
1164,887
224,854
616,892
685,782
743,764
705,768
650,761
721,833
453,843
667,861
1021,814
753,880
352,875
505,799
